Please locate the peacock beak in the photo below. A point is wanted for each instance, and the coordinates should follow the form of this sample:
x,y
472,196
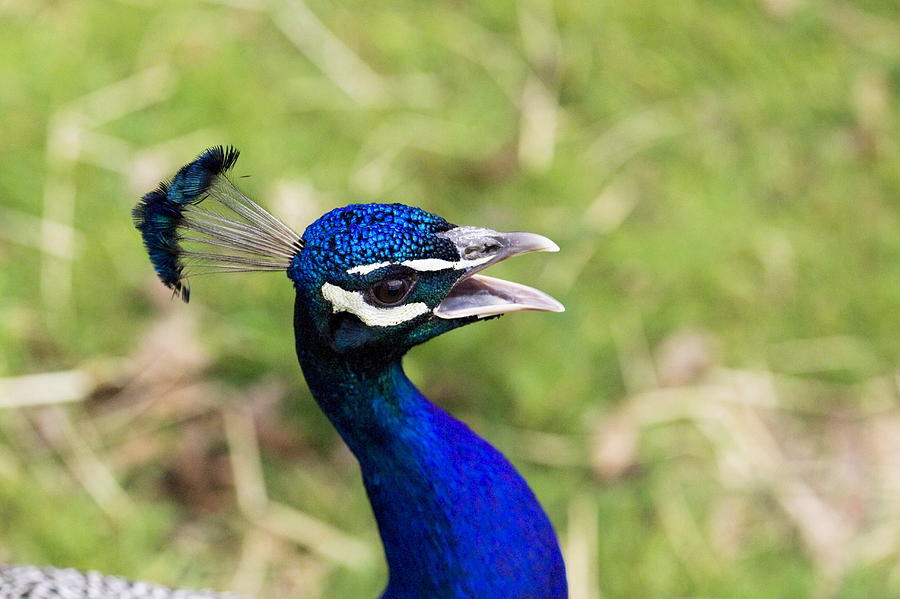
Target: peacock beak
x,y
482,296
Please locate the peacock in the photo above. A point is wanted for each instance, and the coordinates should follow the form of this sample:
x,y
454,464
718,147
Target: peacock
x,y
371,281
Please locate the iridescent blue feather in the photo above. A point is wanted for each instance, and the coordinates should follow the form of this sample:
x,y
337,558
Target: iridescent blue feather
x,y
157,218
193,179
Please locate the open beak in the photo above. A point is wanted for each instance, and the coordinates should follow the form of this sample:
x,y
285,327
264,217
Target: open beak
x,y
481,296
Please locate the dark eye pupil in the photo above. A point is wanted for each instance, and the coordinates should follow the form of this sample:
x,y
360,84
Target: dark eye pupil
x,y
392,291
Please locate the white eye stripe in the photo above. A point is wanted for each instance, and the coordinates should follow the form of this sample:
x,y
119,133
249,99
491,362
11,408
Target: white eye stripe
x,y
421,265
434,264
367,268
354,302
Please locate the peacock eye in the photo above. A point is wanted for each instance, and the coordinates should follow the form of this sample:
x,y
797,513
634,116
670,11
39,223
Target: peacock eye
x,y
390,292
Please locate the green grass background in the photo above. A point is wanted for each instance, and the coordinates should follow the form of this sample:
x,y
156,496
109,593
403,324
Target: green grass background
x,y
730,168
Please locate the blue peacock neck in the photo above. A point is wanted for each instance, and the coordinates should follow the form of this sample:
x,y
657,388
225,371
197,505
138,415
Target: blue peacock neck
x,y
456,519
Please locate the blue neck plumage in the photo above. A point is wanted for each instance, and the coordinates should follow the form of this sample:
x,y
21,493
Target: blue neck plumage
x,y
455,517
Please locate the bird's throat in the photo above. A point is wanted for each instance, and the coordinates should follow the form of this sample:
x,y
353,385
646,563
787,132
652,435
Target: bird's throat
x,y
455,517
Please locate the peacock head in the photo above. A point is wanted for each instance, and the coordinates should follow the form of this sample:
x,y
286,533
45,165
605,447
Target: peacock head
x,y
391,276
368,277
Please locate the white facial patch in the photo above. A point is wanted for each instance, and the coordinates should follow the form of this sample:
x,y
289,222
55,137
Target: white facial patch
x,y
421,265
354,302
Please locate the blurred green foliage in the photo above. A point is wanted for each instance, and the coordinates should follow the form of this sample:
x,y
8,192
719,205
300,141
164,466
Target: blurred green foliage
x,y
723,167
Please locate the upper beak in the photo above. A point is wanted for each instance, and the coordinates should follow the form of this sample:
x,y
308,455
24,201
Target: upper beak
x,y
482,296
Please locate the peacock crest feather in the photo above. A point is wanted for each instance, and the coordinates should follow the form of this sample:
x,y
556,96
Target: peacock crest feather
x,y
230,234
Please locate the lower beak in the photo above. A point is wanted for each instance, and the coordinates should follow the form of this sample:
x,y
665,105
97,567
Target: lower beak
x,y
482,296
